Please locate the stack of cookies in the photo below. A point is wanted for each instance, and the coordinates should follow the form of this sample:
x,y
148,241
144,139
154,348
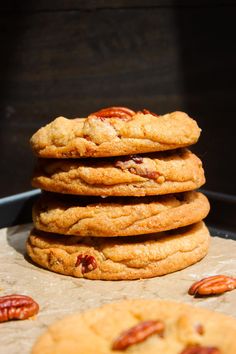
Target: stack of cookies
x,y
119,199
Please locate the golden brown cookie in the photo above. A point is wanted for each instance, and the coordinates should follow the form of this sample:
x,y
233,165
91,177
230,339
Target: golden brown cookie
x,y
80,216
142,326
119,258
158,173
114,135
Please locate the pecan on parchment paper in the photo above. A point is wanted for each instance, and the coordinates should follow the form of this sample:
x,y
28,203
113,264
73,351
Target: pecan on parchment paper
x,y
17,307
213,285
138,334
196,349
87,262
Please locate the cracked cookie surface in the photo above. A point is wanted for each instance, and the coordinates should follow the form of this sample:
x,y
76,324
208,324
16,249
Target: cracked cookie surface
x,y
120,258
81,333
152,174
69,215
95,137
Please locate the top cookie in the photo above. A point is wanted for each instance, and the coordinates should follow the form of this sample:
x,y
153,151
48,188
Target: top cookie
x,y
114,131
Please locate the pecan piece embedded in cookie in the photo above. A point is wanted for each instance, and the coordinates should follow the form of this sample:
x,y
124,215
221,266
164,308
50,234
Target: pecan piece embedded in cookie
x,y
136,158
146,111
138,165
196,349
87,263
114,112
138,334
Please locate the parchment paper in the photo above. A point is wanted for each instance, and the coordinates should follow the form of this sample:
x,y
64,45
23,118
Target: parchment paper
x,y
59,295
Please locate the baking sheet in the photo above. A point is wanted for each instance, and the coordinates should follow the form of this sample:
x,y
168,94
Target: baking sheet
x,y
59,295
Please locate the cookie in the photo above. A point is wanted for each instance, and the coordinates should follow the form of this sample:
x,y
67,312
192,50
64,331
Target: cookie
x,y
80,216
152,174
114,135
171,327
119,258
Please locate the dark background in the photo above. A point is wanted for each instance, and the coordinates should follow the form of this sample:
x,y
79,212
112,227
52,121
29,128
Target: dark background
x,y
71,58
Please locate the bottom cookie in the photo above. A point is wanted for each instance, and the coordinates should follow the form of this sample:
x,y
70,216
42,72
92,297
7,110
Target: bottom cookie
x,y
119,258
141,326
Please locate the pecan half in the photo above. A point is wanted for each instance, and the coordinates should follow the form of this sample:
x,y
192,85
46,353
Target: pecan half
x,y
196,349
114,112
17,307
146,111
137,159
87,263
213,285
151,174
134,164
138,334
127,161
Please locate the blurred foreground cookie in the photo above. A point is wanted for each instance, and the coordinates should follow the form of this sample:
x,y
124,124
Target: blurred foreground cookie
x,y
83,216
120,258
141,326
113,132
158,173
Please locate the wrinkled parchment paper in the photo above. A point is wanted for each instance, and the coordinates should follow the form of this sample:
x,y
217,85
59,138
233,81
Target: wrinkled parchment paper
x,y
59,295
